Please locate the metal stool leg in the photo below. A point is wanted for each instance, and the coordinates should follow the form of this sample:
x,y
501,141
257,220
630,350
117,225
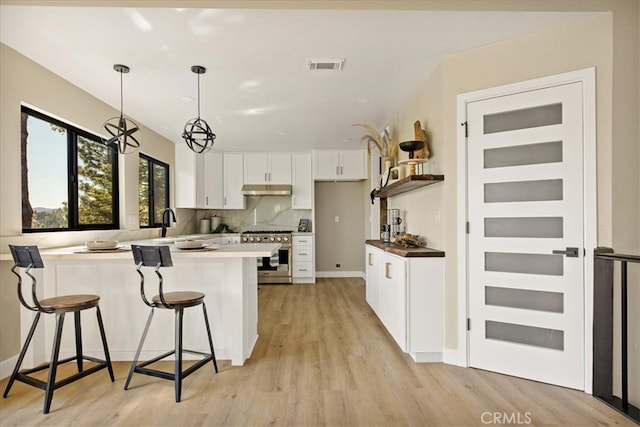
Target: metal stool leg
x,y
53,364
22,354
178,353
206,322
76,318
135,359
107,358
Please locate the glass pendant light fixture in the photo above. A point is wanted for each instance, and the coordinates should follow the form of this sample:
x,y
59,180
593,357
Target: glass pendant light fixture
x,y
197,133
125,133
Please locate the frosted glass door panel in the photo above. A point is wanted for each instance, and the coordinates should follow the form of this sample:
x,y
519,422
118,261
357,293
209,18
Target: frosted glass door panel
x,y
523,191
528,154
524,298
540,227
529,335
524,263
544,115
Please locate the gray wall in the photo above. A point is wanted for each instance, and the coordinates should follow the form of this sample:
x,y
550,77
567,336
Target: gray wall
x,y
339,242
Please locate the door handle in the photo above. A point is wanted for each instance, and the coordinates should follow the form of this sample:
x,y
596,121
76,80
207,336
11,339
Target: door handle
x,y
386,270
569,252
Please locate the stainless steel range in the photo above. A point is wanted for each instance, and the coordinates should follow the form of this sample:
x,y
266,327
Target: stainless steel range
x,y
277,268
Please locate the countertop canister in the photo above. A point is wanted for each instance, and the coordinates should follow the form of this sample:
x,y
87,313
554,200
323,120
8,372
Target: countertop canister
x,y
205,225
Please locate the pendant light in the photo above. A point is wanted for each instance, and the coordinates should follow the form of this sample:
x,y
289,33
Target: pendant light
x,y
122,129
197,133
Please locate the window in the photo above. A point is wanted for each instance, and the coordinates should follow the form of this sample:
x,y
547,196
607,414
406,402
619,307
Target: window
x,y
154,190
69,177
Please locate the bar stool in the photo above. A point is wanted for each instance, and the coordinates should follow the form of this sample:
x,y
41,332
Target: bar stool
x,y
156,257
28,257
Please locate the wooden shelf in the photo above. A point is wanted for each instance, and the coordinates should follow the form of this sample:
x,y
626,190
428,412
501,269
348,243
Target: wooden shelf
x,y
411,182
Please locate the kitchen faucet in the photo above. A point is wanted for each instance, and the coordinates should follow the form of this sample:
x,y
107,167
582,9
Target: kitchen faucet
x,y
165,220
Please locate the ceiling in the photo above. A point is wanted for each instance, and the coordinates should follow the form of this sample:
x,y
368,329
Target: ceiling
x,y
257,93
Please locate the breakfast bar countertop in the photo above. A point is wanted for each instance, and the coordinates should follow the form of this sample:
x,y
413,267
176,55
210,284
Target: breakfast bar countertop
x,y
244,250
416,252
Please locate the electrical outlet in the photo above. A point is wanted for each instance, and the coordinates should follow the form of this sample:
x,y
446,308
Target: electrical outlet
x,y
337,265
336,218
436,217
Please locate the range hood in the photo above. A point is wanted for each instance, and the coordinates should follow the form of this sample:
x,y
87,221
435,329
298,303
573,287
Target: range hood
x,y
266,190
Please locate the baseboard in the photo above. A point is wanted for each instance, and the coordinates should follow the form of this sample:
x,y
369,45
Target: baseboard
x,y
334,274
455,357
6,366
433,357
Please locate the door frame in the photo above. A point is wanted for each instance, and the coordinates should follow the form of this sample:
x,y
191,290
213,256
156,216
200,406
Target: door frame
x,y
588,79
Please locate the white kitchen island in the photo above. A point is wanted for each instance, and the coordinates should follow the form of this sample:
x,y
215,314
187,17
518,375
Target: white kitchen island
x,y
226,275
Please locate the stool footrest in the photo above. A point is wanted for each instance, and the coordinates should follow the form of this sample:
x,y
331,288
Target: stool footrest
x,y
141,368
23,376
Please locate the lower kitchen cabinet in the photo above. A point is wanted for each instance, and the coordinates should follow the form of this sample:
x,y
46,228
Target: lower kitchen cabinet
x,y
303,260
407,295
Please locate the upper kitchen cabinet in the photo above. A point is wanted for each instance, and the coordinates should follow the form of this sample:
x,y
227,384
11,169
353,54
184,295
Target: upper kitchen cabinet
x,y
301,181
233,181
199,179
188,193
213,181
339,165
267,168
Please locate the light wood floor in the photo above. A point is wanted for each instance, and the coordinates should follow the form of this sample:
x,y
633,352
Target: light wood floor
x,y
323,358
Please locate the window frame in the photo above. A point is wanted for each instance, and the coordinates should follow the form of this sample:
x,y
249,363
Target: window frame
x,y
72,134
151,162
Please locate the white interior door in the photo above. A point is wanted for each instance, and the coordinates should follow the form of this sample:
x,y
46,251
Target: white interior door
x,y
525,201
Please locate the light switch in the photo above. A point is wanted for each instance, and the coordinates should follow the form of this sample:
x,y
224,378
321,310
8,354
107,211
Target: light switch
x,y
337,218
436,217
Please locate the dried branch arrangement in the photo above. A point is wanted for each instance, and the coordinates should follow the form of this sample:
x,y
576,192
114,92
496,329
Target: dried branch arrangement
x,y
381,140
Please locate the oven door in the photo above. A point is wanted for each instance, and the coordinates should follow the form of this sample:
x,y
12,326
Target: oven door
x,y
277,268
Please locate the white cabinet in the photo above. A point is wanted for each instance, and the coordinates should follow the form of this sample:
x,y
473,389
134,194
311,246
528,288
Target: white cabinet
x,y
301,181
213,180
233,180
303,259
407,295
188,193
339,165
199,179
267,168
393,297
374,276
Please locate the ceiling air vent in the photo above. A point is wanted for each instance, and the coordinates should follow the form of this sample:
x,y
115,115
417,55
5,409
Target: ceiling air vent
x,y
325,64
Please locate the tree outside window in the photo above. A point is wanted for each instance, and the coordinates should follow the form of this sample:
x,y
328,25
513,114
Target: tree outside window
x,y
153,189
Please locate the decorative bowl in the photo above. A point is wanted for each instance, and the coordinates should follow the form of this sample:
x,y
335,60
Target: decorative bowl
x,y
411,146
97,245
189,244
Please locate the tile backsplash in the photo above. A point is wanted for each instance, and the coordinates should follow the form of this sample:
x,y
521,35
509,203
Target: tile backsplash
x,y
261,213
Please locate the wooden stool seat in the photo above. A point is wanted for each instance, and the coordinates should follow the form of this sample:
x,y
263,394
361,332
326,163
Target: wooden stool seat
x,y
185,298
28,258
69,302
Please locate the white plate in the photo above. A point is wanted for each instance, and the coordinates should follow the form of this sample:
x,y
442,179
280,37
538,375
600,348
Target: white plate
x,y
102,245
